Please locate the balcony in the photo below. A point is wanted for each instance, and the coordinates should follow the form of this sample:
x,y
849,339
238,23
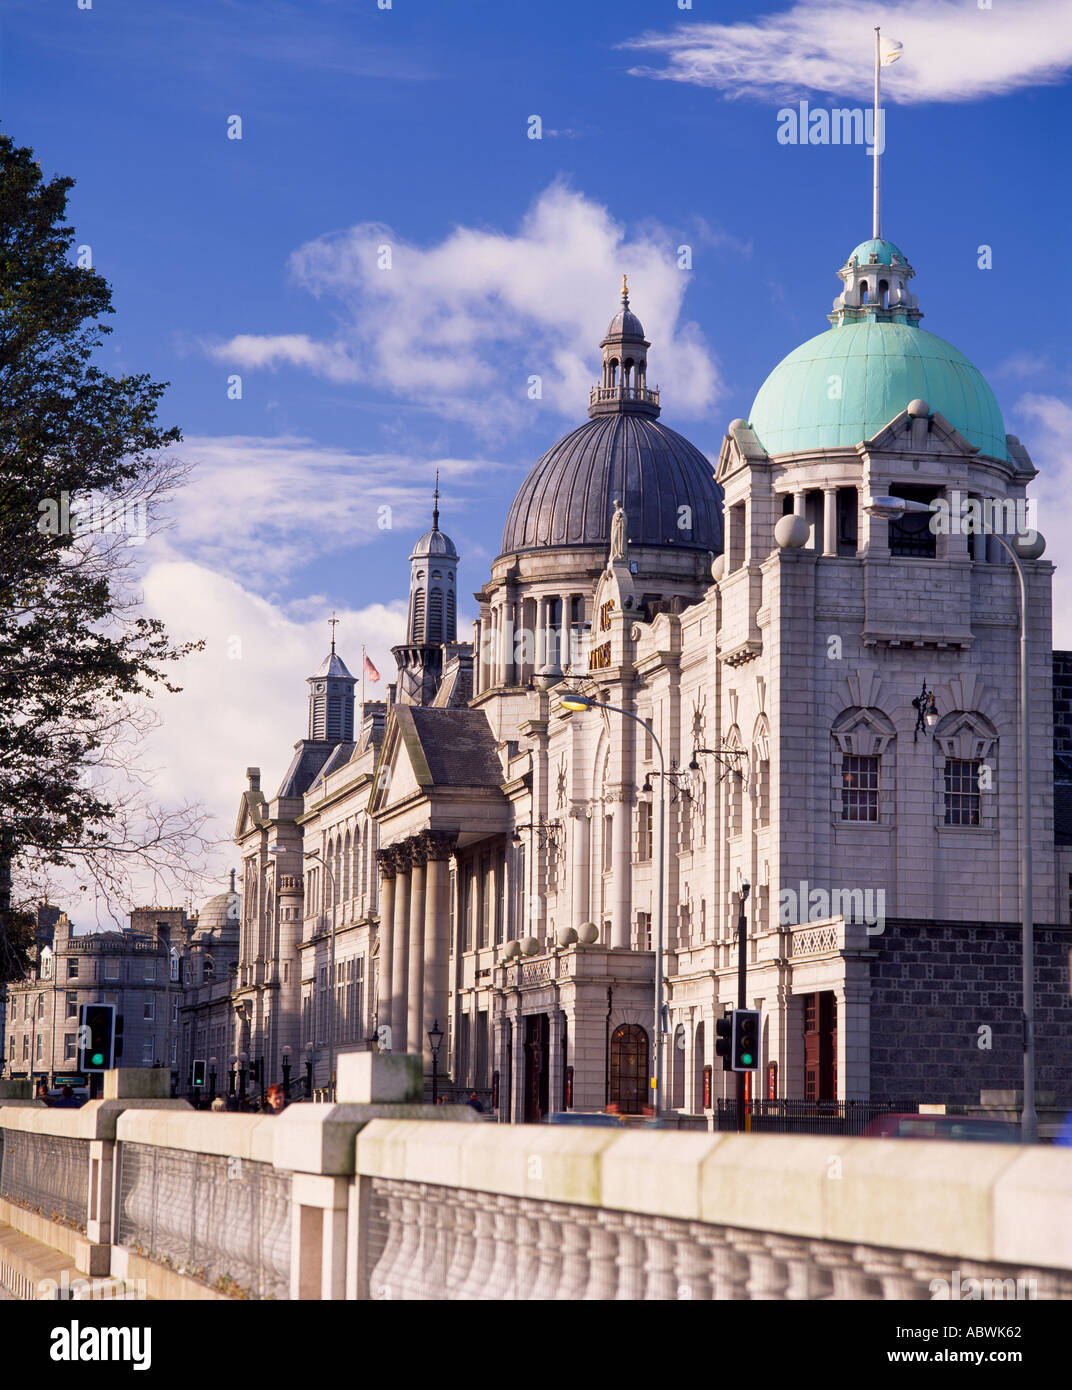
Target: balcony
x,y
607,399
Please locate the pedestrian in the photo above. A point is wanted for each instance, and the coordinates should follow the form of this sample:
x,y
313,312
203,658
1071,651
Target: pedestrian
x,y
276,1099
219,1104
474,1102
66,1100
42,1091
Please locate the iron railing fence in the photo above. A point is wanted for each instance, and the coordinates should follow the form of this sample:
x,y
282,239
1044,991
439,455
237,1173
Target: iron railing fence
x,y
48,1174
807,1116
224,1220
426,1242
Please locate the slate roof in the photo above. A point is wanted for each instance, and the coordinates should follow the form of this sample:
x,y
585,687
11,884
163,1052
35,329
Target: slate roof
x,y
458,745
309,758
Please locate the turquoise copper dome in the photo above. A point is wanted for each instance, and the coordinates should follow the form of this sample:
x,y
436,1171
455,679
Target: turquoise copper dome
x,y
844,386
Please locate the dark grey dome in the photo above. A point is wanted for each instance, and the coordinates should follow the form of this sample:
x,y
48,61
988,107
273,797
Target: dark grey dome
x,y
568,498
625,324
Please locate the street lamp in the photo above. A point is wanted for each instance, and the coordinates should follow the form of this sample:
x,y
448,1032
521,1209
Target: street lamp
x,y
331,973
889,509
213,1063
575,701
435,1038
286,1071
243,1062
232,1075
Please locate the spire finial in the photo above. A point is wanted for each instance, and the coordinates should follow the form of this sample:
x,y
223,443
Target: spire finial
x,y
435,503
625,293
232,880
333,623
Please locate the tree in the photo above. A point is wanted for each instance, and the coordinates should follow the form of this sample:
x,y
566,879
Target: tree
x,y
82,459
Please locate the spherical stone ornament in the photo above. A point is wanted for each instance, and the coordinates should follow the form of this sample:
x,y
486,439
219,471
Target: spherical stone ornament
x,y
529,946
567,936
718,567
1030,546
919,410
738,424
791,532
588,934
511,949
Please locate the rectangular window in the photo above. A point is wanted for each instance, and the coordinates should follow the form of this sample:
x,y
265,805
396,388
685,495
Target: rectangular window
x,y
40,1006
467,909
643,931
40,1046
485,898
112,998
452,889
962,791
150,971
859,788
911,536
26,1047
150,1008
175,1011
72,968
72,1003
111,970
148,1055
70,1047
26,1006
644,835
500,897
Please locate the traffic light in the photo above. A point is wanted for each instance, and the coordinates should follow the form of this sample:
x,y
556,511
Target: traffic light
x,y
744,1053
198,1076
96,1037
724,1028
117,1049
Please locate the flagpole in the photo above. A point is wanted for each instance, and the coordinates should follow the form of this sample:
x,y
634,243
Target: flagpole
x,y
875,149
362,682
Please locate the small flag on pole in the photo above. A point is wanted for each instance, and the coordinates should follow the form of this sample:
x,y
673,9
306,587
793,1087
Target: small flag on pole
x,y
891,51
371,671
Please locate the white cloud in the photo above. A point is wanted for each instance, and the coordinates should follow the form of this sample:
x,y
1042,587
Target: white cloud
x,y
260,508
953,50
244,698
461,326
1047,436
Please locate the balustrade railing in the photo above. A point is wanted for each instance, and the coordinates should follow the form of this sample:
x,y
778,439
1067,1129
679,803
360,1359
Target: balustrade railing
x,y
224,1220
48,1174
426,1242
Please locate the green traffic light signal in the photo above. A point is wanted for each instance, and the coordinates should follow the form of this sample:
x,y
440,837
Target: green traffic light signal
x,y
97,1059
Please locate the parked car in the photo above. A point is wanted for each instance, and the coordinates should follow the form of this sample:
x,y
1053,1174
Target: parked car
x,y
582,1117
979,1128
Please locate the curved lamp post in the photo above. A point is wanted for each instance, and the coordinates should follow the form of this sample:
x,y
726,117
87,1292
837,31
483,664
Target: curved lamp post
x,y
578,702
890,508
331,972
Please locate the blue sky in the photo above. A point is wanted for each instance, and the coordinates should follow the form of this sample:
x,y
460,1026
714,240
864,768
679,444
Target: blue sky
x,y
408,127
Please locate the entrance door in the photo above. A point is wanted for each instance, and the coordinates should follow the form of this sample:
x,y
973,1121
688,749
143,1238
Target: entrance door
x,y
629,1068
537,1068
820,1046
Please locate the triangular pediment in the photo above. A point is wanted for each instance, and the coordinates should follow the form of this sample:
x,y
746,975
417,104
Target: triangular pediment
x,y
922,434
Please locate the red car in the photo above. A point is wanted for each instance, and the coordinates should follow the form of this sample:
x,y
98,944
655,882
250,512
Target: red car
x,y
979,1128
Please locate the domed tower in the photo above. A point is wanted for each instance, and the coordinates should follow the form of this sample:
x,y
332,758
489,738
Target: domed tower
x,y
331,700
558,530
432,621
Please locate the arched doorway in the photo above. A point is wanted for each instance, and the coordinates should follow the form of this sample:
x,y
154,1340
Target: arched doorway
x,y
629,1068
677,1074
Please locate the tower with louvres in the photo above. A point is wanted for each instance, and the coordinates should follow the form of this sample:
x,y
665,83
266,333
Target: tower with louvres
x,y
432,621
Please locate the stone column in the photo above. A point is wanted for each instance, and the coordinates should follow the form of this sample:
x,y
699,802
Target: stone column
x,y
386,860
436,984
400,952
580,886
417,1042
541,633
829,520
621,876
799,501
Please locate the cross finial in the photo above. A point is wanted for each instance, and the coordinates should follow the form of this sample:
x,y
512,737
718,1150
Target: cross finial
x,y
333,623
435,503
625,293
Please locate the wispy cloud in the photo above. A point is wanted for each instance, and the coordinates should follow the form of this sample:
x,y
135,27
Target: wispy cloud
x,y
466,325
953,50
257,508
1047,432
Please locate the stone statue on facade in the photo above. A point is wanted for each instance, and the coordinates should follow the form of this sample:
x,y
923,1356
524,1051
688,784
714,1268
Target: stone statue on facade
x,y
619,534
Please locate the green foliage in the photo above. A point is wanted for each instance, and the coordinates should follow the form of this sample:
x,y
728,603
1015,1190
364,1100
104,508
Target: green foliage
x,y
72,648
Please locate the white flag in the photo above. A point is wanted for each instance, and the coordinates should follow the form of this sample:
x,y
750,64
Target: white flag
x,y
890,51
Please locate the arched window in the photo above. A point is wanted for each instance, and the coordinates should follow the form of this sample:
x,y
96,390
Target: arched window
x,y
677,1070
863,291
884,293
358,886
629,1068
209,968
173,965
346,862
967,744
698,1060
46,964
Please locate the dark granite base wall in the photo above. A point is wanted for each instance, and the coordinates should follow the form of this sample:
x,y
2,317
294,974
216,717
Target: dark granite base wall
x,y
935,984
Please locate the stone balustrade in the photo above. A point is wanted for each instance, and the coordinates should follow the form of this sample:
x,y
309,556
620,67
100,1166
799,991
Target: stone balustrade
x,y
379,1197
